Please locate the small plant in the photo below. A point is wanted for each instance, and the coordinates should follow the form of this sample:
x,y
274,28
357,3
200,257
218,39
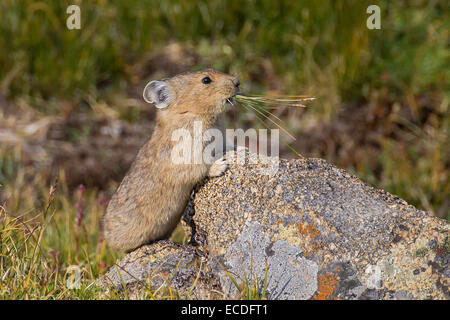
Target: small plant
x,y
250,287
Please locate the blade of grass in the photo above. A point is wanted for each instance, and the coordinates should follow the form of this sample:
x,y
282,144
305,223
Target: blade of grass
x,y
271,120
266,126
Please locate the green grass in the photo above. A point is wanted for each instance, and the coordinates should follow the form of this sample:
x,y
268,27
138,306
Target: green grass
x,y
42,239
250,287
49,233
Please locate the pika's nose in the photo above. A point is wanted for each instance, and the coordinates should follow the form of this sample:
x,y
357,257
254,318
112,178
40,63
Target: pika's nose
x,y
236,82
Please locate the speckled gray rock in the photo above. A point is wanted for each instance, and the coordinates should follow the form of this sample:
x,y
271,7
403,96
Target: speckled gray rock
x,y
163,270
307,231
322,233
291,276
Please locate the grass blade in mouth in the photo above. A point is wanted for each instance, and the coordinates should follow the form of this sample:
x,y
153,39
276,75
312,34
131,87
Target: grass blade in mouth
x,y
274,101
260,106
261,112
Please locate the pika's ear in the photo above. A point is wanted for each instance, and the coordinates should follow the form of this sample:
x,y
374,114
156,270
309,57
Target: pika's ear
x,y
158,93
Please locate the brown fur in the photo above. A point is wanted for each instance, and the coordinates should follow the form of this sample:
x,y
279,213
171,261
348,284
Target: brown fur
x,y
149,202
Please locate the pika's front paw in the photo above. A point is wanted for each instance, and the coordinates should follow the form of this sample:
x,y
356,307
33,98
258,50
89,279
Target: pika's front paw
x,y
218,167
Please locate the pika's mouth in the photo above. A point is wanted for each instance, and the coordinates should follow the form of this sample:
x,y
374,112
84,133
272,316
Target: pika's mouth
x,y
229,101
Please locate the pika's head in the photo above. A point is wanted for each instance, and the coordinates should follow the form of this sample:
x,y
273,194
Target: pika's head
x,y
204,92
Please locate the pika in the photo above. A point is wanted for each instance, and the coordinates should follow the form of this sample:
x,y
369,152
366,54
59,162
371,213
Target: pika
x,y
150,200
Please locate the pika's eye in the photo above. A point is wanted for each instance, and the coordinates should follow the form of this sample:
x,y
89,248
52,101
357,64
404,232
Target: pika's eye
x,y
206,80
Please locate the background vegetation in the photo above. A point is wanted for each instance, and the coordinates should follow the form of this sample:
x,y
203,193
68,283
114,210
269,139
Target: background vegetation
x,y
70,107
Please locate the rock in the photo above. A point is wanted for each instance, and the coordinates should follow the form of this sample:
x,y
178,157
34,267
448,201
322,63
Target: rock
x,y
309,231
163,269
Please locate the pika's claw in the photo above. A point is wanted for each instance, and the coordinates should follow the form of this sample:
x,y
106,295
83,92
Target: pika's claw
x,y
218,167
